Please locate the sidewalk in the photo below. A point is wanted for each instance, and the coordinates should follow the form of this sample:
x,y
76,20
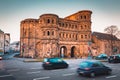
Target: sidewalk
x,y
66,59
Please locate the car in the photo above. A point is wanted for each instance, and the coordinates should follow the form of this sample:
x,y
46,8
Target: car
x,y
101,56
1,58
92,68
114,58
54,63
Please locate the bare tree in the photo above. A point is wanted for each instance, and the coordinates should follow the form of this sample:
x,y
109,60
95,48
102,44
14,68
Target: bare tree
x,y
114,32
118,34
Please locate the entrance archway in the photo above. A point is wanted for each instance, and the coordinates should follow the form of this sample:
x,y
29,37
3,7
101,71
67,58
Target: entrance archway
x,y
72,52
63,51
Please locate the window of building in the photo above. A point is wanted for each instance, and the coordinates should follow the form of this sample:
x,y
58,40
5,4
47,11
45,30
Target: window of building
x,y
52,21
75,26
81,36
63,24
60,24
84,17
81,27
66,35
81,17
52,32
85,26
60,35
48,33
48,21
76,36
85,36
70,35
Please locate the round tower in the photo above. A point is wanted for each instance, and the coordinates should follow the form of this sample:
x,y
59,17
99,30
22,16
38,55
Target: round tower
x,y
27,37
48,26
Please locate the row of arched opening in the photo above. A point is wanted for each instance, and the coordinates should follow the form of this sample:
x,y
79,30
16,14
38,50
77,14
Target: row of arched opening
x,y
63,52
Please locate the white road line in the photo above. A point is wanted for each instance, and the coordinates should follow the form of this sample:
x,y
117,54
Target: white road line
x,y
33,72
35,68
13,70
68,74
41,78
5,75
73,68
111,76
116,68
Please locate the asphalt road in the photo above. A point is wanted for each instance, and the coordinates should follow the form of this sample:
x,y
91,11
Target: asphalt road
x,y
16,69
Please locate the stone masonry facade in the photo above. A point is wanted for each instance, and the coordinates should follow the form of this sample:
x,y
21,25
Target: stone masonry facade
x,y
51,36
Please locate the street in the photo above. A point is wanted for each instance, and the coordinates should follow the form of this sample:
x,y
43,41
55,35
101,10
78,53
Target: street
x,y
16,69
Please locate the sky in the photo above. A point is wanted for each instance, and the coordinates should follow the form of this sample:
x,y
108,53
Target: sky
x,y
104,12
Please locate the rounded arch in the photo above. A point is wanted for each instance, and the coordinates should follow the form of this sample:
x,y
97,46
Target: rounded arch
x,y
73,51
63,51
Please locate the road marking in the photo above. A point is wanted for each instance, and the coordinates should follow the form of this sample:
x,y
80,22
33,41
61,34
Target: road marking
x,y
5,75
116,68
73,68
57,70
33,72
41,78
68,74
111,76
13,70
35,68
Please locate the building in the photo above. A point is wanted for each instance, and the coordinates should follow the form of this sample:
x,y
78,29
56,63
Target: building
x,y
1,42
51,36
104,43
15,46
7,42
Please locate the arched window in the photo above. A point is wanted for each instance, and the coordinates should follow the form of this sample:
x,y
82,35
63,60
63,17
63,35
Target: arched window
x,y
52,32
81,36
66,35
60,35
76,36
70,35
81,17
85,26
75,26
48,21
60,24
48,33
85,36
52,21
63,24
81,27
84,17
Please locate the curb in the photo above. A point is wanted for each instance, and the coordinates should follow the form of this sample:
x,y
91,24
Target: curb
x,y
103,60
33,60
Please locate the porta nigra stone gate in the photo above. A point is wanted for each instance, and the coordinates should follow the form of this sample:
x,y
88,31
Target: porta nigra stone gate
x,y
52,36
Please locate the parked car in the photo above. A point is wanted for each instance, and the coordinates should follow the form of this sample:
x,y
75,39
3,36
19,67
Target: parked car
x,y
102,56
54,63
93,68
114,58
1,58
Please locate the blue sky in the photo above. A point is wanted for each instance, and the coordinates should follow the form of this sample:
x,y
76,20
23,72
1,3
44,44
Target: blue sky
x,y
105,12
